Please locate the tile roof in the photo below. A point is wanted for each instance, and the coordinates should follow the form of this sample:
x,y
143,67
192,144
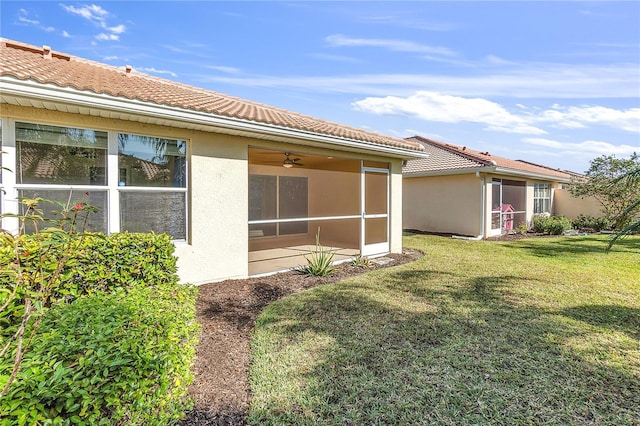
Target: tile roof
x,y
449,157
42,65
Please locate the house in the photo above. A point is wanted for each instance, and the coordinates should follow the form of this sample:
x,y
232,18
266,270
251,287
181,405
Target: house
x,y
462,191
241,187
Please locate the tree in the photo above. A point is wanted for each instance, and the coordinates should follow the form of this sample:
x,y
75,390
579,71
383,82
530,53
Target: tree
x,y
632,212
606,182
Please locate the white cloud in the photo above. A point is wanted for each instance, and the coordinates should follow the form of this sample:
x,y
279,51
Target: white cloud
x,y
408,21
339,40
578,116
156,71
65,34
25,19
550,80
92,12
433,106
119,29
585,147
98,16
221,68
104,36
335,58
28,21
438,107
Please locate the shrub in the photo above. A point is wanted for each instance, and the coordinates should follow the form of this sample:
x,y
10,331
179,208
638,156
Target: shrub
x,y
318,261
99,263
116,345
554,225
109,358
522,228
361,262
589,222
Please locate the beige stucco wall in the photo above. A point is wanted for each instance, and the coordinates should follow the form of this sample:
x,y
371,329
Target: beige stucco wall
x,y
217,246
567,205
450,204
395,210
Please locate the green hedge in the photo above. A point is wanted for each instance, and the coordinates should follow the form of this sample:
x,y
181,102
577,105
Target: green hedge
x,y
121,352
587,222
100,263
554,225
97,263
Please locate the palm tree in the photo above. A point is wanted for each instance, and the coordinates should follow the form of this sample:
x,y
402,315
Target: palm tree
x,y
632,212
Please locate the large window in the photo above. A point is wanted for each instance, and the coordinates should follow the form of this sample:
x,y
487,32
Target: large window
x,y
541,198
141,189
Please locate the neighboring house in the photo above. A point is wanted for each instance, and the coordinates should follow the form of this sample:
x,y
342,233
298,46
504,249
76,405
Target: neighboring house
x,y
241,187
461,191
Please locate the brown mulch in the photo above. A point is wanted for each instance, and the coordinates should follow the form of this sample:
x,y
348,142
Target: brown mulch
x,y
227,311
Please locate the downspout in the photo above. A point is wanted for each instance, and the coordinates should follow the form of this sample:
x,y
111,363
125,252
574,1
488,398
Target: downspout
x,y
482,213
483,205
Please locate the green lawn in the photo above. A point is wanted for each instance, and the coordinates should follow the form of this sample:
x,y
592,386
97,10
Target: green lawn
x,y
539,331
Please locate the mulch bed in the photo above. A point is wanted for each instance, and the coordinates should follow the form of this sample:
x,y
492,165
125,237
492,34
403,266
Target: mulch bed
x,y
227,311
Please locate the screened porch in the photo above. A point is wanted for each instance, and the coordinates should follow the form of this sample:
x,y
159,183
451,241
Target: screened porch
x,y
295,196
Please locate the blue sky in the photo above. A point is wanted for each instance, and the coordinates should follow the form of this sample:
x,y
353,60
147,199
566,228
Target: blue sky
x,y
556,83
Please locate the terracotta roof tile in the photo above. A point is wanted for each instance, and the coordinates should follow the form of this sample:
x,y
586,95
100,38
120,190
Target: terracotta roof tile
x,y
26,62
444,156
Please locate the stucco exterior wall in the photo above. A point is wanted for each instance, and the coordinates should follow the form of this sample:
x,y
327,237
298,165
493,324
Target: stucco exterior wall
x,y
450,204
567,205
217,243
218,179
396,207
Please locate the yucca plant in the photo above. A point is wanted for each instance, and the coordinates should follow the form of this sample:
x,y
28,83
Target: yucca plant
x,y
319,261
361,261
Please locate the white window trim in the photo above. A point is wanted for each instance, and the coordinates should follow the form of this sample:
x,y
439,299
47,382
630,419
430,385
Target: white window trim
x,y
547,190
9,187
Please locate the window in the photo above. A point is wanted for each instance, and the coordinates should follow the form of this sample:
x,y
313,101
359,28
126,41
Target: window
x,y
278,197
152,181
60,155
147,191
541,198
55,163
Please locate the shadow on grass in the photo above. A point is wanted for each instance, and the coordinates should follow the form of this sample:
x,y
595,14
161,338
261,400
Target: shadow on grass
x,y
574,245
613,317
491,362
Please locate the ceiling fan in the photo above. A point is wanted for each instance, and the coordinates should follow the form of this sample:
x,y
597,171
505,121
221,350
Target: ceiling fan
x,y
288,162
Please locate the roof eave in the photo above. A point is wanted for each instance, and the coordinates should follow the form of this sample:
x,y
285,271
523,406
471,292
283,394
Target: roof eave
x,y
449,172
11,86
542,176
486,169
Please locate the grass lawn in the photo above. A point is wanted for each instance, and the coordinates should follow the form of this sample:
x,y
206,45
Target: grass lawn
x,y
538,331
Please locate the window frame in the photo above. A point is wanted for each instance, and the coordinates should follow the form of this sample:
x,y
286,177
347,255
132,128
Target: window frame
x,y
11,188
545,199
